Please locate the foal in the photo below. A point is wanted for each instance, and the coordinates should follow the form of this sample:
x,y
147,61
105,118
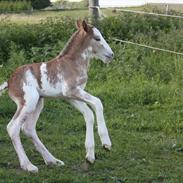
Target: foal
x,y
65,76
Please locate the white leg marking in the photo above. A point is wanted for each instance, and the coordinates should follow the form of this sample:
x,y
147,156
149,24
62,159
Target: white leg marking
x,y
13,129
102,129
97,106
89,119
31,97
29,128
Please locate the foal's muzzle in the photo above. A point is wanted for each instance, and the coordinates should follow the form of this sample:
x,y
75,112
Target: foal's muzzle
x,y
109,57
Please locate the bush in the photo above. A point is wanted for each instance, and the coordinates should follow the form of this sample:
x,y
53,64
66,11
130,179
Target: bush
x,y
130,26
27,36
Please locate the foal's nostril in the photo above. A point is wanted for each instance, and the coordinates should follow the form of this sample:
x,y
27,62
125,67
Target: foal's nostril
x,y
109,55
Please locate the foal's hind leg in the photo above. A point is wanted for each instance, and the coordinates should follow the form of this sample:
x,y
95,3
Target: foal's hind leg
x,y
13,129
29,128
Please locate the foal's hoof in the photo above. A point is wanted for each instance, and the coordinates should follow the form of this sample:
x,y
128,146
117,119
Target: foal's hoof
x,y
90,160
107,147
56,162
59,163
30,168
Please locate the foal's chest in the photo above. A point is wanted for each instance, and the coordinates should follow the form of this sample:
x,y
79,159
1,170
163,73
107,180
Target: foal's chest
x,y
59,83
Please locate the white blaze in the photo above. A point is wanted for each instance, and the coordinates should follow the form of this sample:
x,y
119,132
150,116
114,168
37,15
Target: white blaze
x,y
102,40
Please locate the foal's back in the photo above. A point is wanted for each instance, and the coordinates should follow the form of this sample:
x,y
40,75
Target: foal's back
x,y
40,77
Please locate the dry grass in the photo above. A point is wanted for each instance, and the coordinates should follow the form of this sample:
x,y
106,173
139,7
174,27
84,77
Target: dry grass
x,y
38,16
175,7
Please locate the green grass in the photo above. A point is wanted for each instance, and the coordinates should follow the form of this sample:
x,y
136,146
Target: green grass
x,y
145,146
147,138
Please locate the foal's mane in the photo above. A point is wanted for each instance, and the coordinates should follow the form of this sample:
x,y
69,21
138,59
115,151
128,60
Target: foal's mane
x,y
77,42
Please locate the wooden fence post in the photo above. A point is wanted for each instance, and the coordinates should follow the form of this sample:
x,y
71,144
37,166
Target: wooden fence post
x,y
94,9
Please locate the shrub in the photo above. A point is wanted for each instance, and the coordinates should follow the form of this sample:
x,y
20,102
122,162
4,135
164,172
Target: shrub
x,y
28,36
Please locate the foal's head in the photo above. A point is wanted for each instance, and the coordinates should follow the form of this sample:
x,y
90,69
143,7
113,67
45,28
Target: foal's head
x,y
96,44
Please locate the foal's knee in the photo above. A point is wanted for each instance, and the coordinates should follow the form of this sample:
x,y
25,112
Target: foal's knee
x,y
13,129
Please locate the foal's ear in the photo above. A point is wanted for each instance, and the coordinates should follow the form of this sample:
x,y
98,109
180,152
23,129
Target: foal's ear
x,y
85,26
78,24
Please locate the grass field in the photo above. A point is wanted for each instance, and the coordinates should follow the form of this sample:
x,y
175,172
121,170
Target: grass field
x,y
36,17
162,7
143,105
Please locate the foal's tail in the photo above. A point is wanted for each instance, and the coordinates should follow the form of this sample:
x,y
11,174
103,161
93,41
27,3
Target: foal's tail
x,y
3,87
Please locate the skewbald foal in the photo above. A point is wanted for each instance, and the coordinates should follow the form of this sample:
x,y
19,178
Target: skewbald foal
x,y
64,76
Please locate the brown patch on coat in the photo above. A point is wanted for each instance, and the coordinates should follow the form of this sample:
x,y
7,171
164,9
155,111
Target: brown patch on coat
x,y
52,71
35,70
15,84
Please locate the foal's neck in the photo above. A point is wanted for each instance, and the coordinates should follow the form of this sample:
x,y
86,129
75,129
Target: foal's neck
x,y
77,48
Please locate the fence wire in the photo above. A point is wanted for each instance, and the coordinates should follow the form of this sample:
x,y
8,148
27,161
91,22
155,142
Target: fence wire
x,y
150,13
147,46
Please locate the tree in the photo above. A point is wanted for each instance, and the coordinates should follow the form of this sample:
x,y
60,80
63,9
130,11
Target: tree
x,y
40,4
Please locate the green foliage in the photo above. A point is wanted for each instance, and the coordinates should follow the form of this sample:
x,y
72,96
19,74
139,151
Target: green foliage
x,y
14,6
27,36
142,28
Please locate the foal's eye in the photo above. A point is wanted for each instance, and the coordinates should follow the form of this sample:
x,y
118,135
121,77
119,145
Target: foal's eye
x,y
97,39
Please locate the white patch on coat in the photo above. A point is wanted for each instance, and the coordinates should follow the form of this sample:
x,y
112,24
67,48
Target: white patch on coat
x,y
31,94
47,88
87,53
102,40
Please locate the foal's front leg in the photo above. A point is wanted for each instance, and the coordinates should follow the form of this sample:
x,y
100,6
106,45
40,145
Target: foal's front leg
x,y
97,106
89,119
